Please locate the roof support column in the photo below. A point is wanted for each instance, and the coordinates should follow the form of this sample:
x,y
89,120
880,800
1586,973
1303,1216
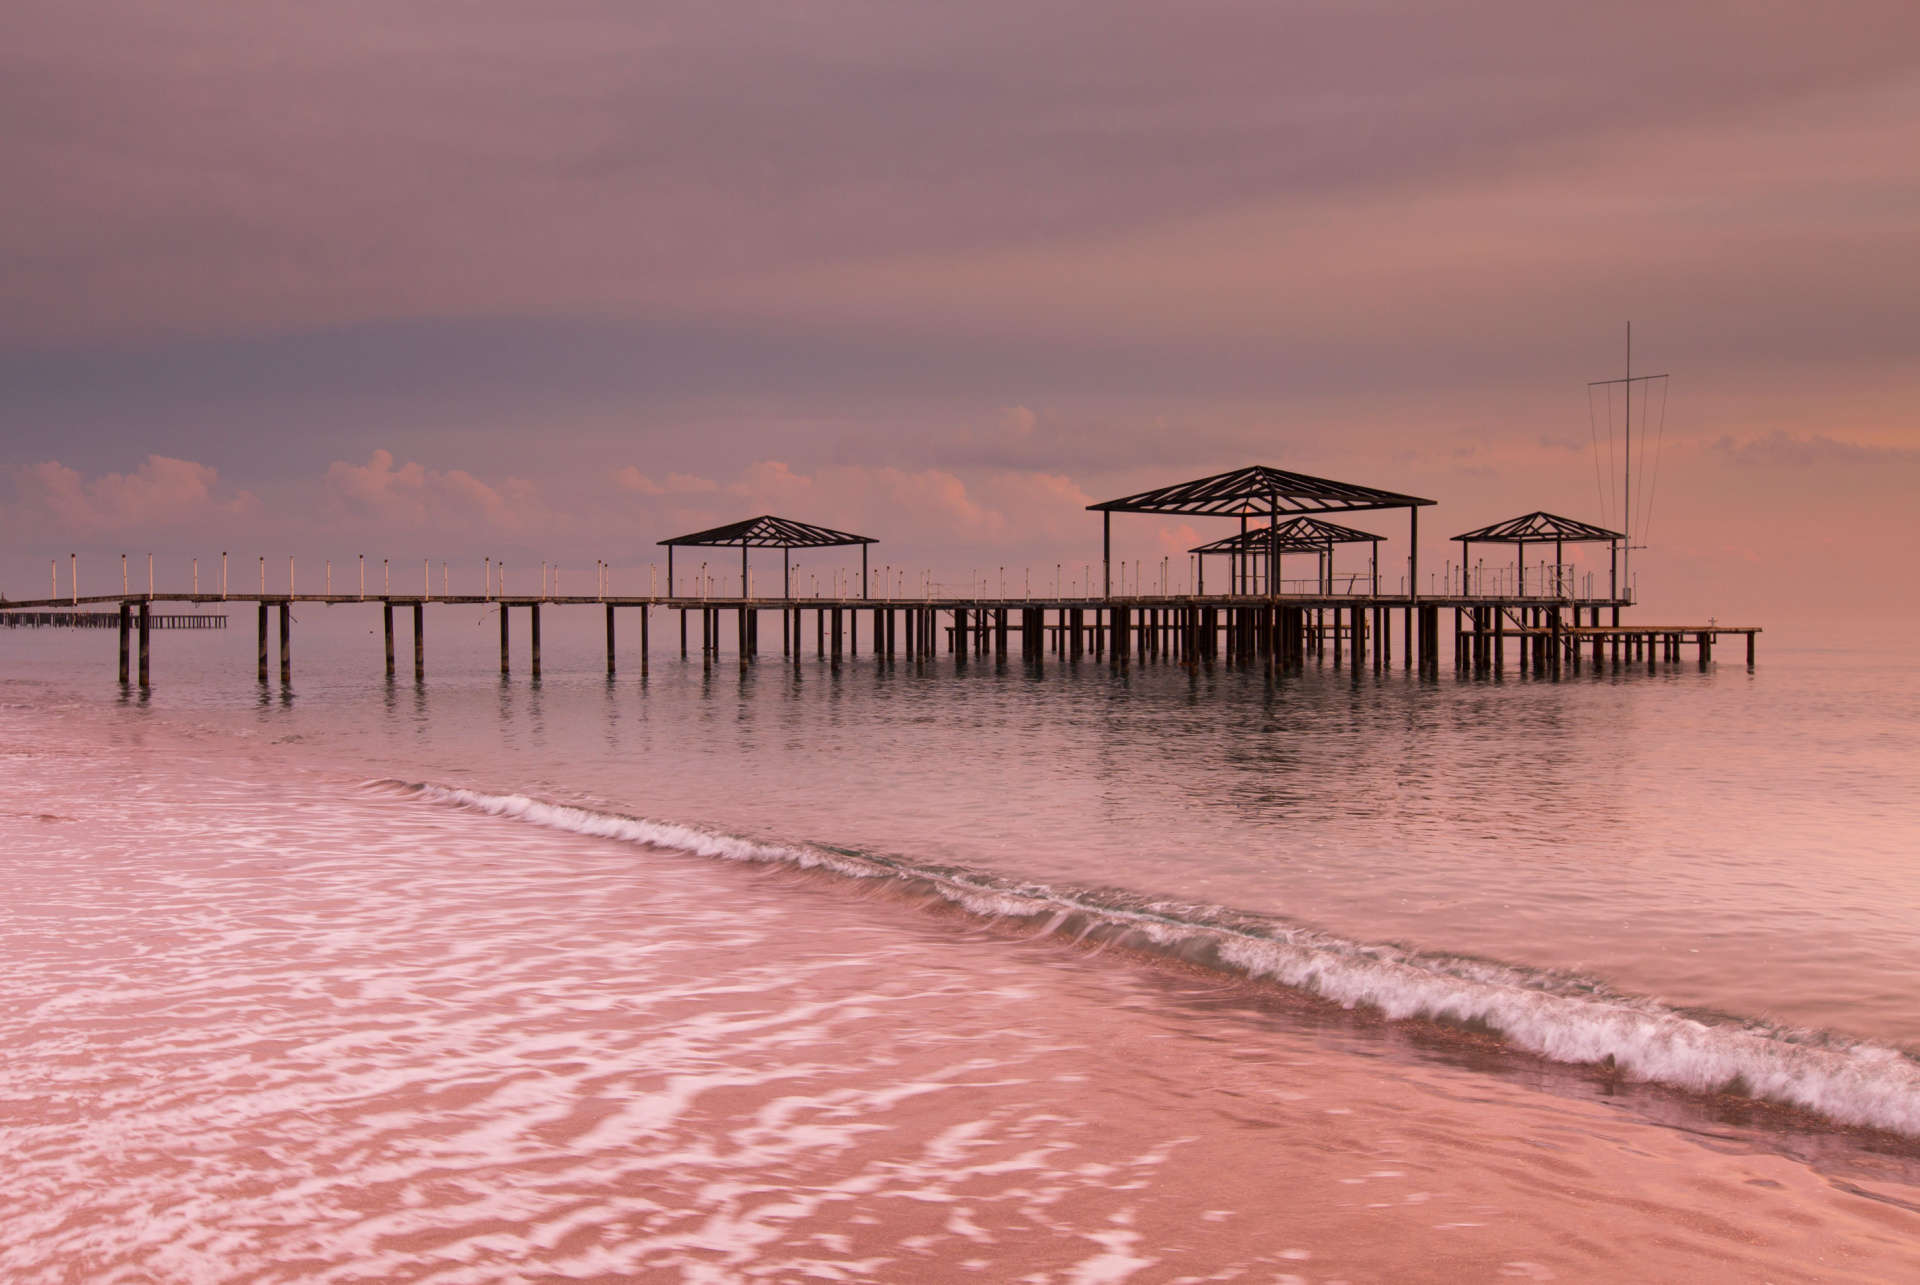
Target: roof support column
x,y
743,571
1413,554
669,571
1106,549
1273,546
863,571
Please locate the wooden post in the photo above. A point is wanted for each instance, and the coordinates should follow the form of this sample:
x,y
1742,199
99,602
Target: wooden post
x,y
1750,636
533,642
386,620
263,642
145,651
1357,640
610,664
286,643
126,641
645,613
419,642
503,640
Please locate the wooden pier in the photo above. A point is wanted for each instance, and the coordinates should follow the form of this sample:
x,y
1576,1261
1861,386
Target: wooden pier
x,y
103,620
1263,618
1543,636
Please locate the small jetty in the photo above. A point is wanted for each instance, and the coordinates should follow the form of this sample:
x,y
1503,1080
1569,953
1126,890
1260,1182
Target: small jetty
x,y
1543,620
104,620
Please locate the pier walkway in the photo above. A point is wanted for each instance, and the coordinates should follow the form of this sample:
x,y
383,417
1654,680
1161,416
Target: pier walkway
x,y
1284,629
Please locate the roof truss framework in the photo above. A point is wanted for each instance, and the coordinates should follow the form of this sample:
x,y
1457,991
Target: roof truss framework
x,y
1259,491
768,532
1540,528
1296,535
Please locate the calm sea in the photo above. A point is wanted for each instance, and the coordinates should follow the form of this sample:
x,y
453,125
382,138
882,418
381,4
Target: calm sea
x,y
950,970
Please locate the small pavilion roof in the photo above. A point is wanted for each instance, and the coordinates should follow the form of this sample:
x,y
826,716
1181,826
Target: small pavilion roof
x,y
769,532
1258,491
1295,535
1540,528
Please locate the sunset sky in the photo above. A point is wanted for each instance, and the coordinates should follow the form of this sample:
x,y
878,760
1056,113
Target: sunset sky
x,y
555,281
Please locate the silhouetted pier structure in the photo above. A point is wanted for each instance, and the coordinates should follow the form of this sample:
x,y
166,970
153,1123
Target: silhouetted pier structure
x,y
1261,619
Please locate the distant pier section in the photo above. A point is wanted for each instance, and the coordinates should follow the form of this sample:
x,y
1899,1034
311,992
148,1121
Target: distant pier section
x,y
1546,619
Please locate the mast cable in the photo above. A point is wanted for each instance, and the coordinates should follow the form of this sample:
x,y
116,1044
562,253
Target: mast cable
x,y
1593,435
1659,441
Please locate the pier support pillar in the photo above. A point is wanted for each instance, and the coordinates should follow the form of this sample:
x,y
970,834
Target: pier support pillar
x,y
419,642
386,621
286,643
533,642
645,619
610,661
503,640
263,642
146,613
126,641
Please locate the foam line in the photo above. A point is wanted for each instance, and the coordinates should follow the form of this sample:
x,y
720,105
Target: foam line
x,y
1559,1016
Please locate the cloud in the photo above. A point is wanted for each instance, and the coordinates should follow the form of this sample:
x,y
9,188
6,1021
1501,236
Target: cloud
x,y
985,507
1781,450
162,494
630,478
414,496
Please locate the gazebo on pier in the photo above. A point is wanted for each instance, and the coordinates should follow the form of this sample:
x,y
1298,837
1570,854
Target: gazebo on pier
x,y
769,532
1296,535
1261,492
1545,528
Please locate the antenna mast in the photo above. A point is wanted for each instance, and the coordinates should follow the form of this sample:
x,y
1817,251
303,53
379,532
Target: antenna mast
x,y
1626,501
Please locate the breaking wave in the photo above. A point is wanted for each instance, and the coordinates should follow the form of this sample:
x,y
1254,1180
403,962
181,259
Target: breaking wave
x,y
1560,1016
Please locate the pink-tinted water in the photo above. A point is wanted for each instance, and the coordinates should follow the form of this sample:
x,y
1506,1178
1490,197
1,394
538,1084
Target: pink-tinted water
x,y
891,972
265,1022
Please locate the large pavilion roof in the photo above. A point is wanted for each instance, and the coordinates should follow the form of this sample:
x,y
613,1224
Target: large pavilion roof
x,y
1295,535
769,532
1540,528
1258,491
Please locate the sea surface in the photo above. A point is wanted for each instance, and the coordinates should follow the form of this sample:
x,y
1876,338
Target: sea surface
x,y
950,970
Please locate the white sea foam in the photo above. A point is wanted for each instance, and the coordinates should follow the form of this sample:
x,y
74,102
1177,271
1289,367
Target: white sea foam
x,y
1563,1018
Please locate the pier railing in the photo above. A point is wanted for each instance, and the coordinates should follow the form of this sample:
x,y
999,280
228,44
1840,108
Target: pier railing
x,y
1130,580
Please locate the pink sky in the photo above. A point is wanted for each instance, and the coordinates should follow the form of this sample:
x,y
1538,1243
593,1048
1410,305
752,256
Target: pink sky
x,y
555,282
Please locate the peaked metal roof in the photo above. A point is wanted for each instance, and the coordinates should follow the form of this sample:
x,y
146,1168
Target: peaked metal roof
x,y
1539,528
1295,535
769,532
1259,491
